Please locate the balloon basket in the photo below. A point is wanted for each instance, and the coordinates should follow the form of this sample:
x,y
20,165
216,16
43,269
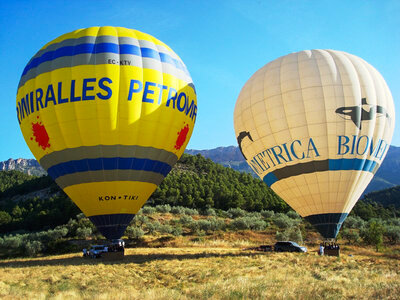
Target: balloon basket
x,y
331,248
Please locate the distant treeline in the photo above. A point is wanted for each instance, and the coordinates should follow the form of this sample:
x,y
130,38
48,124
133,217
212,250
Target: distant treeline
x,y
195,182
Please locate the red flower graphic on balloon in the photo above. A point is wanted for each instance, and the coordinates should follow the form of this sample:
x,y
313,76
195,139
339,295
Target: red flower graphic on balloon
x,y
182,135
40,134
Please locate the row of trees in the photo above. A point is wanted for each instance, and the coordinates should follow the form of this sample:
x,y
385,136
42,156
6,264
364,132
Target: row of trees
x,y
189,222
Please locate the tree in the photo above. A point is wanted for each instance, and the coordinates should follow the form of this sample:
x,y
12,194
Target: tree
x,y
5,218
392,233
373,234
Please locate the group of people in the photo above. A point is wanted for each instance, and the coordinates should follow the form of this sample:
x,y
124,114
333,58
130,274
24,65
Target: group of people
x,y
328,246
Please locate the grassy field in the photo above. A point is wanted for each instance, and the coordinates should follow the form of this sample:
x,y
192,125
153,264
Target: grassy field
x,y
203,271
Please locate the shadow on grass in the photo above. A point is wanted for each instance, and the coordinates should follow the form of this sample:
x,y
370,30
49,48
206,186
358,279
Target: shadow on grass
x,y
128,259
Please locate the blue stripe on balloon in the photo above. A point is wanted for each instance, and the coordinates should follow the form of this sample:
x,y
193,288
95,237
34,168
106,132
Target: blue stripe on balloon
x,y
90,48
342,164
356,164
270,179
113,163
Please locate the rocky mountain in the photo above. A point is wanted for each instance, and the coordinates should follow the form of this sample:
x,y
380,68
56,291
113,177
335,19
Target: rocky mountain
x,y
387,176
29,166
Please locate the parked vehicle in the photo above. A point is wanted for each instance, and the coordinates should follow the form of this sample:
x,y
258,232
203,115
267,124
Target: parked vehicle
x,y
96,251
117,245
289,246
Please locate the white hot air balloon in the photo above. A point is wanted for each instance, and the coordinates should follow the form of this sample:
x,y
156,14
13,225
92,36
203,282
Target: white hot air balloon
x,y
315,126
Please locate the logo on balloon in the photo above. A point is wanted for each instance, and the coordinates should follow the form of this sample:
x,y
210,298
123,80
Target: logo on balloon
x,y
40,134
358,114
182,134
240,137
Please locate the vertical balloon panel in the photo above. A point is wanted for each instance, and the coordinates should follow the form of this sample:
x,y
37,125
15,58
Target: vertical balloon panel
x,y
115,110
315,126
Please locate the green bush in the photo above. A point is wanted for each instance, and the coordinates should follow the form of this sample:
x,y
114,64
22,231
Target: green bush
x,y
83,232
190,211
209,212
372,234
292,214
178,210
282,235
283,221
246,223
186,221
392,233
134,233
290,234
32,248
148,210
234,213
267,213
153,227
354,222
351,235
209,225
177,230
166,208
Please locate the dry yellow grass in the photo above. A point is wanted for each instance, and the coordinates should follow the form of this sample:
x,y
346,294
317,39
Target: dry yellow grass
x,y
202,273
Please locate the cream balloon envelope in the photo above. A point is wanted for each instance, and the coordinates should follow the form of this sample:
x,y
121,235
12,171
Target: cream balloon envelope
x,y
315,126
107,111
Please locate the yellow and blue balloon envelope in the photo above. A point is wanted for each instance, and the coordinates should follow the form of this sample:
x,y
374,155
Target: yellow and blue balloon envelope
x,y
107,111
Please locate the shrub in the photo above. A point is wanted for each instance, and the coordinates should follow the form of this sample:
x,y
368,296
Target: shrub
x,y
210,212
353,222
211,224
178,210
282,235
148,210
392,233
283,221
190,211
33,248
153,227
139,220
372,234
254,214
290,234
166,229
295,235
165,208
292,214
351,235
83,232
234,213
245,223
177,231
267,213
134,233
186,220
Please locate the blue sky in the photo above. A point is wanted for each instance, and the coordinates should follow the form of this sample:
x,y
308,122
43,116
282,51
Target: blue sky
x,y
221,42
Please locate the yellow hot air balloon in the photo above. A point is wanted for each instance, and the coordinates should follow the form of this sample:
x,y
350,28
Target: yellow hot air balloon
x,y
315,126
107,111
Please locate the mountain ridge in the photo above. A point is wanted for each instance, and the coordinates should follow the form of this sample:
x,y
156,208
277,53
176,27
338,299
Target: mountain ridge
x,y
387,176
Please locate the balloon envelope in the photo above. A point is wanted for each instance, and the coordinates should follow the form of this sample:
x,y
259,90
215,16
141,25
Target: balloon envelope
x,y
315,126
107,111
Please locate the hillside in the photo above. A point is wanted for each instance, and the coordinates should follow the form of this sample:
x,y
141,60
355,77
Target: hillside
x,y
195,182
387,176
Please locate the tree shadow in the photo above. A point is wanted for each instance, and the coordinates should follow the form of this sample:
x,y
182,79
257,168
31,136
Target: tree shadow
x,y
128,259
